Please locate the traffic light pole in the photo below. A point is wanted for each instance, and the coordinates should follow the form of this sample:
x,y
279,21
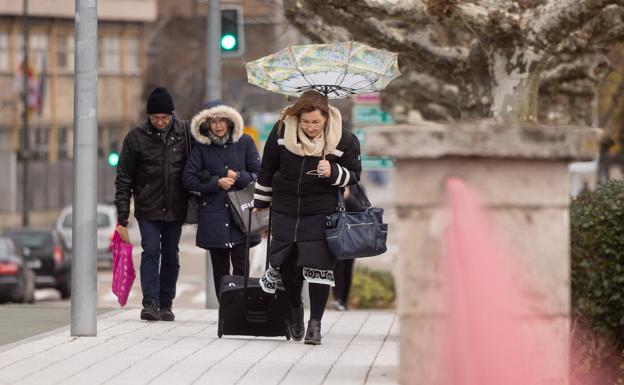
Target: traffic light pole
x,y
84,248
213,91
213,51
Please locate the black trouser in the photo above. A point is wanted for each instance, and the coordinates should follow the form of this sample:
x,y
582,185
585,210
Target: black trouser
x,y
292,278
343,274
221,263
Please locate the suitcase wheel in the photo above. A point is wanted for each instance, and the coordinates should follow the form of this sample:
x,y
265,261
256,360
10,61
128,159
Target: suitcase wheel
x,y
220,335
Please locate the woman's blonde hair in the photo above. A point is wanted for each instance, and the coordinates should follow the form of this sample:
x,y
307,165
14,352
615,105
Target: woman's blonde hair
x,y
308,101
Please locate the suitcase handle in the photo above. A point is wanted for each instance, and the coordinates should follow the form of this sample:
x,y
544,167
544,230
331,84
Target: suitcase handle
x,y
266,265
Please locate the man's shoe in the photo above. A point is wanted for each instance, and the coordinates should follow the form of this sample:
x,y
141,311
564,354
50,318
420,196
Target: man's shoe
x,y
150,313
296,326
166,314
313,335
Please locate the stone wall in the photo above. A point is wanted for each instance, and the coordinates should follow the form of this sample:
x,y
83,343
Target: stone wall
x,y
520,174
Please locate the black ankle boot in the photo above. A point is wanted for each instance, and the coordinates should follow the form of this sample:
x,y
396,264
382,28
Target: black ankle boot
x,y
296,326
313,335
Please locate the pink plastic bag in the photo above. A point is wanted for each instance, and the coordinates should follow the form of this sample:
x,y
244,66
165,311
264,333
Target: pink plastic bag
x,y
123,268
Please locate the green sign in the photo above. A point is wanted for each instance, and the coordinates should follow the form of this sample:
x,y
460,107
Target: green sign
x,y
367,114
377,163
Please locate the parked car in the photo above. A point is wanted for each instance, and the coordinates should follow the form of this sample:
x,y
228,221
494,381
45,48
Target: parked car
x,y
46,255
106,219
17,281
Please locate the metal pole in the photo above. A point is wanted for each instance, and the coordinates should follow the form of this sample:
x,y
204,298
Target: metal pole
x,y
84,270
25,133
213,91
213,51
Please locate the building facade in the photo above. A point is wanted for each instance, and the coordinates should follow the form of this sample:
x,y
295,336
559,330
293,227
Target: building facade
x,y
122,31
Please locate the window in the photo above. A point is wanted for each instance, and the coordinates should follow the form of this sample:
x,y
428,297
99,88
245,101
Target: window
x,y
63,145
109,53
132,54
65,51
4,51
37,50
41,141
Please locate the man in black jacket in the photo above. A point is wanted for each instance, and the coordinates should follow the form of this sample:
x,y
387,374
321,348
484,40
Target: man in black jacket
x,y
150,170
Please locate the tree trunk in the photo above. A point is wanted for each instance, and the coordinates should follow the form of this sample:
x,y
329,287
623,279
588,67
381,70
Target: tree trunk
x,y
515,85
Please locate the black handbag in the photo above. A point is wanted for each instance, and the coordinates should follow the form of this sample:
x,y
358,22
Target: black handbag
x,y
192,207
356,234
241,202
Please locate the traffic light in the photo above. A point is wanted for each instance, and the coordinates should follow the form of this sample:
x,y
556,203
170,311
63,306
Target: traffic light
x,y
232,36
113,159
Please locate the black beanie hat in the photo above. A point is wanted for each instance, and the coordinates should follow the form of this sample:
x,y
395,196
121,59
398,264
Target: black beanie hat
x,y
160,102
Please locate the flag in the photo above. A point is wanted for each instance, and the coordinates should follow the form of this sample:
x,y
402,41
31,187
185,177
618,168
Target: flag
x,y
33,87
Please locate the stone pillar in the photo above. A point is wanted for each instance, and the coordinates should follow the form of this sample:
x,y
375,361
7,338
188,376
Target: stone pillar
x,y
520,173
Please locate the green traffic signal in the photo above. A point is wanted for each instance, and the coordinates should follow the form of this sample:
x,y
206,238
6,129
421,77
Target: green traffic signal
x,y
113,159
228,42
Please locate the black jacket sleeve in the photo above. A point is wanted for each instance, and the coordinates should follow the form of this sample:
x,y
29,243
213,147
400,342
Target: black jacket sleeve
x,y
124,181
346,171
270,164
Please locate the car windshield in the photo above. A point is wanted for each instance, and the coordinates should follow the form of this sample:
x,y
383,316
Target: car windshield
x,y
33,240
102,221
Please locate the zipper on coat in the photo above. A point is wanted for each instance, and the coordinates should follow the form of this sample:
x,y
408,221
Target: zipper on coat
x,y
166,175
299,198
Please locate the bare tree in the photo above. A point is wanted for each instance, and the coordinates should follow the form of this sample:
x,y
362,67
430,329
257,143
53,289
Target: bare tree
x,y
464,59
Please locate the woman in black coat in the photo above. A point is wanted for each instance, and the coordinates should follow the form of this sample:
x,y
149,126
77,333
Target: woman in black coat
x,y
308,158
223,159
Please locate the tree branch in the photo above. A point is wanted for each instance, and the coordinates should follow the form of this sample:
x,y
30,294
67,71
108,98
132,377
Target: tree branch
x,y
591,67
557,19
323,22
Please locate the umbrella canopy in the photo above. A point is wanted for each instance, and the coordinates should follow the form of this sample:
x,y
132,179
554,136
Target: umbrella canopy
x,y
336,70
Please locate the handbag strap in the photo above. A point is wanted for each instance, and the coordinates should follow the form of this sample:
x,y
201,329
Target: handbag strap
x,y
363,198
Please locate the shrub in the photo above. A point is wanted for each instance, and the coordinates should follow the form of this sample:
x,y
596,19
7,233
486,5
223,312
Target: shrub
x,y
597,248
372,289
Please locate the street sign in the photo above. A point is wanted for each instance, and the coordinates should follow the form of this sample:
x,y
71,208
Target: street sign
x,y
369,115
372,98
377,163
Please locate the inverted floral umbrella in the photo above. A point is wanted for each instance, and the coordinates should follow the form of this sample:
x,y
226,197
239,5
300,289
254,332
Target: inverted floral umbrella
x,y
336,70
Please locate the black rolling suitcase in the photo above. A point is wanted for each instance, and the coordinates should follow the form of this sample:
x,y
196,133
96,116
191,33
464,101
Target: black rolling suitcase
x,y
247,310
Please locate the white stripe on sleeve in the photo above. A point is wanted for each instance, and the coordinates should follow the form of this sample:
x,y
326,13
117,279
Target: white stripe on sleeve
x,y
337,182
347,178
262,198
263,188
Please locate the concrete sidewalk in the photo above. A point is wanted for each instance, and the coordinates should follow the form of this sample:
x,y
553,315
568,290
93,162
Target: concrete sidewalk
x,y
359,347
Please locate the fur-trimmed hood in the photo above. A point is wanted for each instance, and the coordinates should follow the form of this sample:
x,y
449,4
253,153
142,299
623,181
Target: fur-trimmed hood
x,y
221,111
